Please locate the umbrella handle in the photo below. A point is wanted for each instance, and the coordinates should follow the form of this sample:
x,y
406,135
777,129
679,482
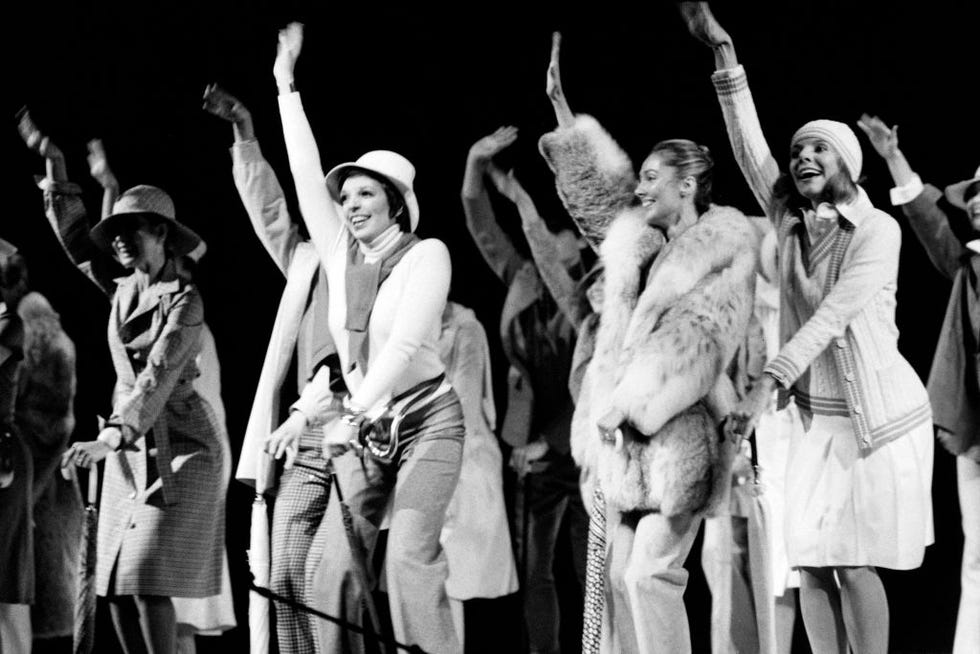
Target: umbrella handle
x,y
93,484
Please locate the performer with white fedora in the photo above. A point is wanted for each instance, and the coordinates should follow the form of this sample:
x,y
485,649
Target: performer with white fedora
x,y
388,290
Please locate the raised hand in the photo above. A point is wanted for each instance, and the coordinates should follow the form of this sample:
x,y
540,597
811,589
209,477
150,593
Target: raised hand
x,y
506,184
491,144
287,52
98,165
554,88
883,139
35,140
218,102
702,24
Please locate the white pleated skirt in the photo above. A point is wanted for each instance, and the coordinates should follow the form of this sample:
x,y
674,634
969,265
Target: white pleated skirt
x,y
844,508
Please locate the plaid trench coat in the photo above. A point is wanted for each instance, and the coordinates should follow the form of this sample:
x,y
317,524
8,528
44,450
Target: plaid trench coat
x,y
160,526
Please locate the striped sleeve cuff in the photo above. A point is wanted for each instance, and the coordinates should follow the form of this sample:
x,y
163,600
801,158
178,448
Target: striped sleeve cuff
x,y
905,194
783,371
730,81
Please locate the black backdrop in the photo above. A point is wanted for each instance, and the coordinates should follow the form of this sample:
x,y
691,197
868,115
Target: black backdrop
x,y
427,83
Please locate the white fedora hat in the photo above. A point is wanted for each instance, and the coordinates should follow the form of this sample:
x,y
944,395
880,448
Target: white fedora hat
x,y
145,200
392,166
956,193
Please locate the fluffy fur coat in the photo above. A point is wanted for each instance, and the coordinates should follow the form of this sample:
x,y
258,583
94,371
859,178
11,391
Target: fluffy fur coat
x,y
672,318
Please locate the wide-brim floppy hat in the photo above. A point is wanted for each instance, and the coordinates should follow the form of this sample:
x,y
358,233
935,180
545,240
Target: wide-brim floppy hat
x,y
956,193
145,200
390,165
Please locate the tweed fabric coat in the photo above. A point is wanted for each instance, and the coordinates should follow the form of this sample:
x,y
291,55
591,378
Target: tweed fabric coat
x,y
160,526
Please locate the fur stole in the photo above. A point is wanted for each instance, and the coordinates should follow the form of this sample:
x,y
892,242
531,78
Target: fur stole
x,y
663,344
46,379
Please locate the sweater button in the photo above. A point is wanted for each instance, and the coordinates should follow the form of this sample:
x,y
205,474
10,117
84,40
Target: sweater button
x,y
858,411
132,495
841,343
849,376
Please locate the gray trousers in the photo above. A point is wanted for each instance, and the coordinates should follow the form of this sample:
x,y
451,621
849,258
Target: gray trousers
x,y
422,477
645,610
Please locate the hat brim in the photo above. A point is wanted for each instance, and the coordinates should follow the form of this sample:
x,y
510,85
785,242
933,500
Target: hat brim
x,y
180,238
339,172
956,193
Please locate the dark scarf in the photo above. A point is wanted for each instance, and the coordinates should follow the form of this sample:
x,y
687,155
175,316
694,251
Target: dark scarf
x,y
362,283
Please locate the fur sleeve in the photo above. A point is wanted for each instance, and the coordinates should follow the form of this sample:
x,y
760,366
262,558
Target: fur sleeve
x,y
594,176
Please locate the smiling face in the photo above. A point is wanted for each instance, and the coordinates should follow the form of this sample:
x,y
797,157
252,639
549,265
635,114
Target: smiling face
x,y
138,244
659,191
366,207
812,163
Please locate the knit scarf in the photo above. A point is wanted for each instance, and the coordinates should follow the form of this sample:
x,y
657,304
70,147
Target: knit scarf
x,y
362,282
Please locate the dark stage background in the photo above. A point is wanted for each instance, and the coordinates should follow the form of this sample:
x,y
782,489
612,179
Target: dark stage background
x,y
428,83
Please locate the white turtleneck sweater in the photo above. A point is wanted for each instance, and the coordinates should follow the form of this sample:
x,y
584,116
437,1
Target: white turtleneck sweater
x,y
403,331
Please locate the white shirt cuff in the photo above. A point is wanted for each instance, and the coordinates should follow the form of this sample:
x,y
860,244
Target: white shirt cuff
x,y
905,194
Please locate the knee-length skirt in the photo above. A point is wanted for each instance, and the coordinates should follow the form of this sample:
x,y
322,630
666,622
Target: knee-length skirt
x,y
848,508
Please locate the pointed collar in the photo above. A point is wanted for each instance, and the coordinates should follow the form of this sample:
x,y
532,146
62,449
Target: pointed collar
x,y
856,209
149,293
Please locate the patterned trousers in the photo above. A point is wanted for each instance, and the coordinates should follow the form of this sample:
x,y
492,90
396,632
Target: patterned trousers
x,y
298,535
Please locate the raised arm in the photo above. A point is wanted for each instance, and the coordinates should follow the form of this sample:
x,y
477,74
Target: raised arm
x,y
919,202
553,87
98,167
593,175
65,210
319,212
741,119
494,244
544,248
257,184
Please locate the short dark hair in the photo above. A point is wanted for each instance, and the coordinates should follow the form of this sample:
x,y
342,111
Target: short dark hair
x,y
396,201
690,160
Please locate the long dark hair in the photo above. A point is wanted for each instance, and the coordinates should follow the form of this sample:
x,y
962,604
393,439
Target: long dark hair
x,y
690,160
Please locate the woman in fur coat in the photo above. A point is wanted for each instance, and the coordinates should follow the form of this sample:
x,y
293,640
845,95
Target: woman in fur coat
x,y
679,283
858,494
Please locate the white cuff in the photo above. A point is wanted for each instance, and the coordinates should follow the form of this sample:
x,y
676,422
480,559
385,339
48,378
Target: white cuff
x,y
905,194
113,443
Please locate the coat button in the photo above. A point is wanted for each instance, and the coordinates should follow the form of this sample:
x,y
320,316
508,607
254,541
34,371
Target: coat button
x,y
132,525
849,376
841,343
132,495
858,411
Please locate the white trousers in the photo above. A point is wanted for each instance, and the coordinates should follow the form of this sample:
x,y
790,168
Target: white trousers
x,y
967,639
